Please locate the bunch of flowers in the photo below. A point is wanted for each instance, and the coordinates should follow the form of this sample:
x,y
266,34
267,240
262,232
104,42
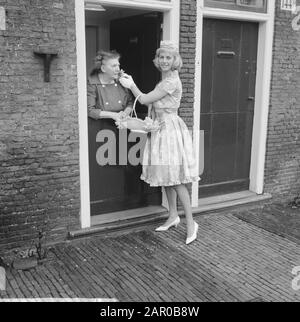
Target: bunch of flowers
x,y
136,124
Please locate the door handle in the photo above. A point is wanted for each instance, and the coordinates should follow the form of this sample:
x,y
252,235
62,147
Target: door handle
x,y
251,98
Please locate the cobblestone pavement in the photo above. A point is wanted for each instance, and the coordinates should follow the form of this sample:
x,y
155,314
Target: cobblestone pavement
x,y
240,255
276,218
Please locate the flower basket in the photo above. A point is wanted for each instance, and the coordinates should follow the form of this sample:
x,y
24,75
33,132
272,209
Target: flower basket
x,y
134,124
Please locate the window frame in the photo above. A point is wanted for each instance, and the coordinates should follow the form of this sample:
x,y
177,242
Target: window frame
x,y
236,5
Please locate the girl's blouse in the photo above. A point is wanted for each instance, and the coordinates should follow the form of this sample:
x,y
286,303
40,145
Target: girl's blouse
x,y
173,86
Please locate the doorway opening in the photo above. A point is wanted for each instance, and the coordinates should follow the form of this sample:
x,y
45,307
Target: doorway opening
x,y
135,34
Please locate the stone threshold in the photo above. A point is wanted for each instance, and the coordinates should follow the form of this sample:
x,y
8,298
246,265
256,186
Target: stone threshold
x,y
155,214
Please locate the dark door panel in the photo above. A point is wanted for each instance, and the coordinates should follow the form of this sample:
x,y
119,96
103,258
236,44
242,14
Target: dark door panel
x,y
206,121
207,75
225,53
227,104
244,143
136,39
223,147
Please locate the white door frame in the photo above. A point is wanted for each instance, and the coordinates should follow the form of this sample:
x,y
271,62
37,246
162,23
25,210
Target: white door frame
x,y
171,11
263,82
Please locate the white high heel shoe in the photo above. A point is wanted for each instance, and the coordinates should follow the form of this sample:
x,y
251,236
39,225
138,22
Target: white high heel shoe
x,y
194,236
173,223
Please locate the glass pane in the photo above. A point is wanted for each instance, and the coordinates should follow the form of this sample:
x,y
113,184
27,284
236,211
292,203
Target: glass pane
x,y
251,3
242,5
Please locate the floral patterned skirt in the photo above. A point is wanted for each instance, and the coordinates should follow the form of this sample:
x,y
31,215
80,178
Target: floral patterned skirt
x,y
169,156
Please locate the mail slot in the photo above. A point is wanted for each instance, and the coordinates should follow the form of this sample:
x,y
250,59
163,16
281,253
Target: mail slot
x,y
226,53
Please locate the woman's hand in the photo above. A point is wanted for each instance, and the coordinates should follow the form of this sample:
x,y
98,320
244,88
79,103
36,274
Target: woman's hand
x,y
122,116
128,110
109,115
126,81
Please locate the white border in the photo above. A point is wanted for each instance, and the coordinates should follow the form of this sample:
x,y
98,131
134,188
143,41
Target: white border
x,y
263,81
85,217
171,12
235,14
197,96
2,19
142,4
262,102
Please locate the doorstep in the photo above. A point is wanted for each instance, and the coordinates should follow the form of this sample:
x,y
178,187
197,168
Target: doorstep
x,y
154,214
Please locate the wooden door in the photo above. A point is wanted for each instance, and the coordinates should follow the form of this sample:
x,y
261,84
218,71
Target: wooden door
x,y
227,104
91,36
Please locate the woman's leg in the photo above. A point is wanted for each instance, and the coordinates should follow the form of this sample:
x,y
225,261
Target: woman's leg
x,y
172,201
185,200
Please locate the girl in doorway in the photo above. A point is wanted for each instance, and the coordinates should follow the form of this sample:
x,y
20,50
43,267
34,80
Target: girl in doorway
x,y
168,157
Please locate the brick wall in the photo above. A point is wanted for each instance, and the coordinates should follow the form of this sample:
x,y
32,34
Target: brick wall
x,y
282,176
188,54
39,153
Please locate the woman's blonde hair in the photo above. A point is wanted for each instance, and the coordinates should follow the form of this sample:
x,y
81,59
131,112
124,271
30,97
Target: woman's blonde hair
x,y
177,64
101,56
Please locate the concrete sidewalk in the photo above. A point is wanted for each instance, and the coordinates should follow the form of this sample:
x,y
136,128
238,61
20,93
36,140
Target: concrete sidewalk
x,y
245,254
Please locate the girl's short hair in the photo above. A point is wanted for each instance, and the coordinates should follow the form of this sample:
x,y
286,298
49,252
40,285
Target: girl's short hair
x,y
177,64
101,56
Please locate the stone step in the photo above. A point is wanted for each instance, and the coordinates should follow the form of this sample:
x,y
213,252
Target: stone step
x,y
144,216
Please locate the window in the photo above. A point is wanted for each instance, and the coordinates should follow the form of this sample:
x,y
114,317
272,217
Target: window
x,y
251,3
289,5
242,5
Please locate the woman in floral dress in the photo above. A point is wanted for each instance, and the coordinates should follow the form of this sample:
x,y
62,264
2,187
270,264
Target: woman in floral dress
x,y
169,159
